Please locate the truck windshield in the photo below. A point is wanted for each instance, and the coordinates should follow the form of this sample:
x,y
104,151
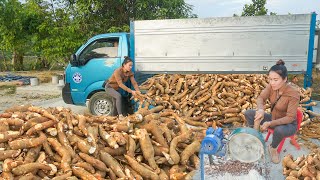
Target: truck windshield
x,y
102,48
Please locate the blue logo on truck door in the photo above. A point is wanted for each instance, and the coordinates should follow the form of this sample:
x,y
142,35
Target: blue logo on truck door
x,y
77,77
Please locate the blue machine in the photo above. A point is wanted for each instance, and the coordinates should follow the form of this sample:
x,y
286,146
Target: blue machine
x,y
240,142
212,144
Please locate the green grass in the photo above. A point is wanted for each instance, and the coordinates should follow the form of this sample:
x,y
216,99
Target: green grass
x,y
8,89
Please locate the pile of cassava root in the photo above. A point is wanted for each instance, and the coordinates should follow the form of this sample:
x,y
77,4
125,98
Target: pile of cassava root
x,y
311,130
205,98
304,167
54,143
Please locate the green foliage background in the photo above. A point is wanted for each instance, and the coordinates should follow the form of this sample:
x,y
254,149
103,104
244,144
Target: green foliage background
x,y
49,31
42,34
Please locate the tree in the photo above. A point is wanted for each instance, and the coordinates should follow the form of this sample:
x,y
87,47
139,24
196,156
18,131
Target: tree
x,y
18,25
12,32
73,22
58,34
257,8
53,29
273,13
98,16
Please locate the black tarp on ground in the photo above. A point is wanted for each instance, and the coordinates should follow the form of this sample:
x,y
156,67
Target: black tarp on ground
x,y
11,77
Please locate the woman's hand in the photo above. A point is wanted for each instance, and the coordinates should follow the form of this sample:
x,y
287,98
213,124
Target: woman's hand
x,y
259,115
265,126
134,93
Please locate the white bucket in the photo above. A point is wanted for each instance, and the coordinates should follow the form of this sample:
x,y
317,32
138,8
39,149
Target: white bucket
x,y
61,82
55,79
34,82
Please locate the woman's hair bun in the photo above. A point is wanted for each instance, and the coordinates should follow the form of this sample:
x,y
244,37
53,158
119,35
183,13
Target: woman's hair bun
x,y
280,62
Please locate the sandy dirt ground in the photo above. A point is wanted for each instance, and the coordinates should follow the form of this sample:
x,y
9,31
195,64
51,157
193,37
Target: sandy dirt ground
x,y
44,95
28,95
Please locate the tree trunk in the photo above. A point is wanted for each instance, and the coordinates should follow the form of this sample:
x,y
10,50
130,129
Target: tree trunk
x,y
44,63
17,61
5,67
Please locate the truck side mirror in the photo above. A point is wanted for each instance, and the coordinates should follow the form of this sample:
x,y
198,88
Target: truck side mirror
x,y
73,60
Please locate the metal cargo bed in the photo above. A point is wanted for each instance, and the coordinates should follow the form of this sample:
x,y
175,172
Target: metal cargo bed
x,y
222,45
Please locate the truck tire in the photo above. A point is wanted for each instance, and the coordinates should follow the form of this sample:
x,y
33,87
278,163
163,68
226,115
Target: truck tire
x,y
101,104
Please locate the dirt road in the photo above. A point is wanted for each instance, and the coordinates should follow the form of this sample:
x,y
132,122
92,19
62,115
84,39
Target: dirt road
x,y
44,95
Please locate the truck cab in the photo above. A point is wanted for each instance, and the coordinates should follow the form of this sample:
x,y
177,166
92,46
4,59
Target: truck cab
x,y
90,66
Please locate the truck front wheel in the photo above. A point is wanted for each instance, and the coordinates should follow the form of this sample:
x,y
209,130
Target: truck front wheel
x,y
101,104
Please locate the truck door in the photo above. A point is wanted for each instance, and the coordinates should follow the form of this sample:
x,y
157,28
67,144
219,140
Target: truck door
x,y
97,61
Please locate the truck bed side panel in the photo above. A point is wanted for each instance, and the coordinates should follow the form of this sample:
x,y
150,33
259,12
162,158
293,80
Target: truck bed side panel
x,y
222,45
